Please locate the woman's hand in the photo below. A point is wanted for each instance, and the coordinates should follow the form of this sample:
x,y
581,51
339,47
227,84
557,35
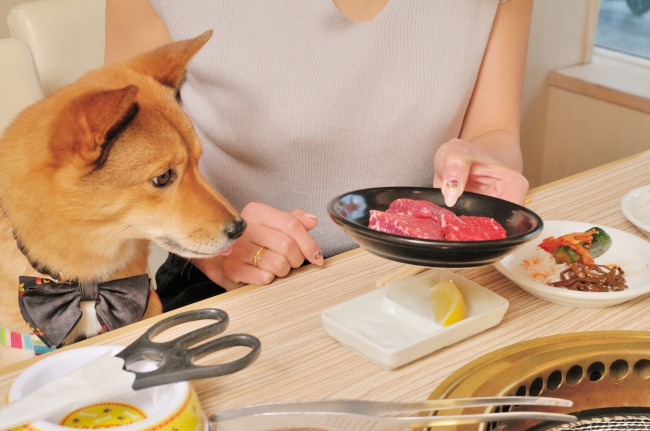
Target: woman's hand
x,y
272,244
487,158
461,166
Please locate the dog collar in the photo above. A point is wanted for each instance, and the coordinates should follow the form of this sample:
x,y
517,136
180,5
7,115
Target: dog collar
x,y
23,341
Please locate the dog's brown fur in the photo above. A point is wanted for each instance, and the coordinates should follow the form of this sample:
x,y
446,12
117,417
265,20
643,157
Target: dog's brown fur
x,y
76,183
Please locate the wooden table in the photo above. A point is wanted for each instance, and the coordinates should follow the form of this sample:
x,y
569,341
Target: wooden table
x,y
299,361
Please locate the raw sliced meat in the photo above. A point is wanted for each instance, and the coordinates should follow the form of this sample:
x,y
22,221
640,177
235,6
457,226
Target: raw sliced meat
x,y
473,228
405,225
426,220
421,209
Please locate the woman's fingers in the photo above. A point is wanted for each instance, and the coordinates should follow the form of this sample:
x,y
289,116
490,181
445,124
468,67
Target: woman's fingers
x,y
272,244
309,221
254,264
262,254
453,177
273,240
290,224
498,181
462,167
247,264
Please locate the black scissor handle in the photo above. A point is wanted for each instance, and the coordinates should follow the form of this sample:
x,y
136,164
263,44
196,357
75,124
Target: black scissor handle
x,y
179,367
175,359
195,336
144,346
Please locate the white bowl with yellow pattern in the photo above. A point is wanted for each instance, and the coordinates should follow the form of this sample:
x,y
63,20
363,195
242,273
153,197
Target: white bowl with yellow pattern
x,y
163,408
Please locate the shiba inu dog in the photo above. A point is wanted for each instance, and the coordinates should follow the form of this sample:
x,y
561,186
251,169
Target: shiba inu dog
x,y
89,176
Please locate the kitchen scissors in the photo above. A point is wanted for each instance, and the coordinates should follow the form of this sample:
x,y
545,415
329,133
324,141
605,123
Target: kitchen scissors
x,y
121,376
175,358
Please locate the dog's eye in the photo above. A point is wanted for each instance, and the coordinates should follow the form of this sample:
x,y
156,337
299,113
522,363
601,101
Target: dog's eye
x,y
163,180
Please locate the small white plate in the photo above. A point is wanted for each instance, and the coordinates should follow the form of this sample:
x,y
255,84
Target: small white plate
x,y
628,251
636,208
394,325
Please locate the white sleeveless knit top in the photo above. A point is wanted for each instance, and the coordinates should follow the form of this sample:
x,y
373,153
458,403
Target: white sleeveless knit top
x,y
296,104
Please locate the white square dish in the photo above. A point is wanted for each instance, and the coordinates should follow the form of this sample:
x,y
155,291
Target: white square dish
x,y
394,325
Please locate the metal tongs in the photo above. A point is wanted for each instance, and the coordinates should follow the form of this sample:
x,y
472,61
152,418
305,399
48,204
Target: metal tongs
x,y
349,415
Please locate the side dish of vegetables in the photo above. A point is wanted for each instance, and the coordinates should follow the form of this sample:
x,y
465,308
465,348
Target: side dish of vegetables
x,y
576,253
579,246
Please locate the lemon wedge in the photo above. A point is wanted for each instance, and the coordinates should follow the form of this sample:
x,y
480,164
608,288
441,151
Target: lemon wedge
x,y
447,302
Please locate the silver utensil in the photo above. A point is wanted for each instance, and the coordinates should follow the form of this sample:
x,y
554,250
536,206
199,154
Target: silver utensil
x,y
354,415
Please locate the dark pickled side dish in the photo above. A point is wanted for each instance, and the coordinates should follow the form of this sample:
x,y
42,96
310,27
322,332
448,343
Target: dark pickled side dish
x,y
578,250
592,278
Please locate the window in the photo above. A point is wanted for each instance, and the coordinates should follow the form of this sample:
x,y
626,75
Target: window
x,y
624,26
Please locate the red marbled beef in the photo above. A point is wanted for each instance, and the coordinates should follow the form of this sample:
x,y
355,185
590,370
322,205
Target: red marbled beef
x,y
426,220
473,228
405,225
421,209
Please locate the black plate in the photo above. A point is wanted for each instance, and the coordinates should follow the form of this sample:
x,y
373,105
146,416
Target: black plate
x,y
351,211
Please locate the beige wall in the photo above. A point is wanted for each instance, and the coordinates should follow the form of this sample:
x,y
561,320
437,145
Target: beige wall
x,y
557,39
583,132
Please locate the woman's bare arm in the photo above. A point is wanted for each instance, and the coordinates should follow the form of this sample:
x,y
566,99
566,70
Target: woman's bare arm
x,y
132,27
487,157
495,107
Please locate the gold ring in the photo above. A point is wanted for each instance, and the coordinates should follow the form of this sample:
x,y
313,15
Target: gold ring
x,y
258,256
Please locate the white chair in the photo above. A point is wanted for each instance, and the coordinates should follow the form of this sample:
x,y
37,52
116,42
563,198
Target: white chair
x,y
19,82
66,38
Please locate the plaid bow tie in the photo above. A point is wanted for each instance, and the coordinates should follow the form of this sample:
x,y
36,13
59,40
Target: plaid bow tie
x,y
52,308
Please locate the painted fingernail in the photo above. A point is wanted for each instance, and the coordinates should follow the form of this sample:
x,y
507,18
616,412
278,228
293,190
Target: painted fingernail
x,y
317,254
453,189
453,183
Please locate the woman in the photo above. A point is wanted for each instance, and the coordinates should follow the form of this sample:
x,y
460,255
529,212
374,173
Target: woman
x,y
297,102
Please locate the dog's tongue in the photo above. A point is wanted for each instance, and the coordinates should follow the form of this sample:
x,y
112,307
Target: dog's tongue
x,y
227,251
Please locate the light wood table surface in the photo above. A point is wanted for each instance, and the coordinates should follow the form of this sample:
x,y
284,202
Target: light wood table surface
x,y
299,361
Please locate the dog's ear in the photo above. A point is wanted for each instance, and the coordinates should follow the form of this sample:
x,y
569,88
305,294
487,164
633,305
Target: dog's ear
x,y
167,64
91,123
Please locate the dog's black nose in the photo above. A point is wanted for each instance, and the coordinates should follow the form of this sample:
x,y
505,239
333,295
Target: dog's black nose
x,y
235,229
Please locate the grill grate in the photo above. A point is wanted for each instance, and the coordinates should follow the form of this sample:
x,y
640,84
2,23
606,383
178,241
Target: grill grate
x,y
614,423
603,419
606,375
